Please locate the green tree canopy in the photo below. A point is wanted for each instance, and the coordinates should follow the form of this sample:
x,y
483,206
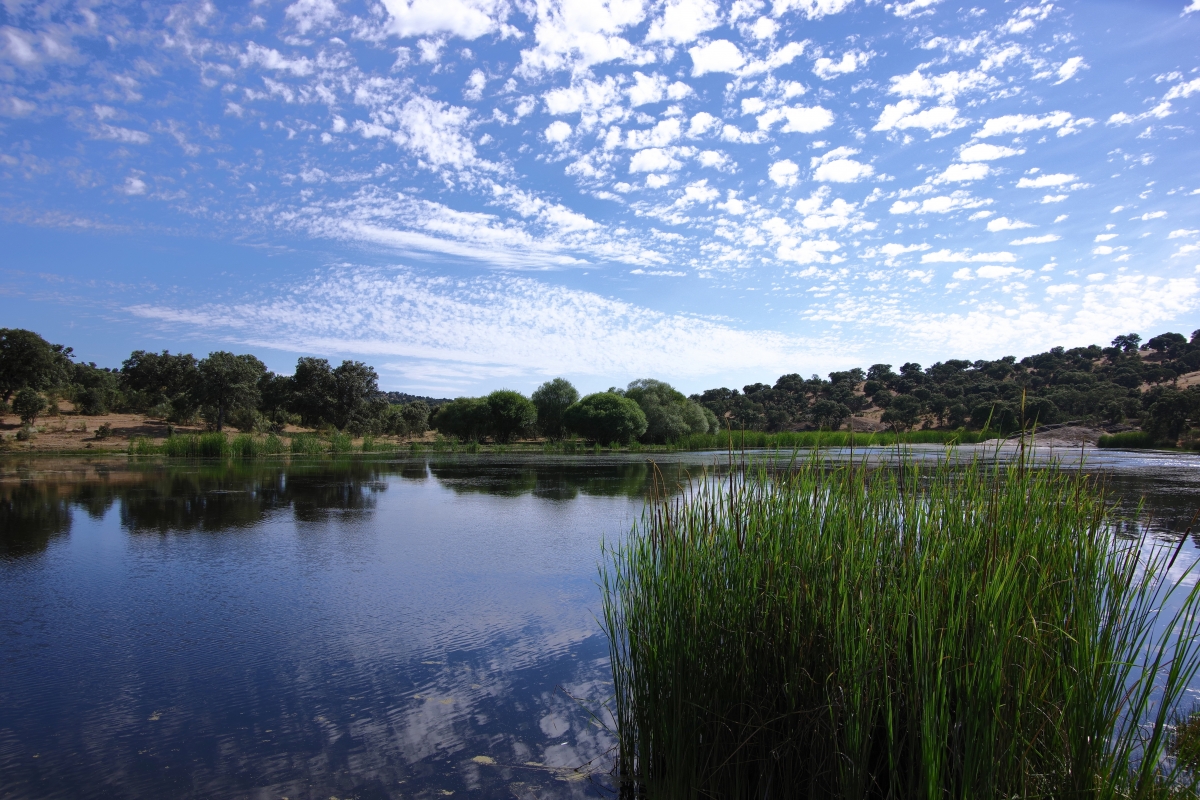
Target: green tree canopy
x,y
606,417
512,414
669,415
149,378
313,386
468,418
229,382
28,404
552,399
27,359
355,394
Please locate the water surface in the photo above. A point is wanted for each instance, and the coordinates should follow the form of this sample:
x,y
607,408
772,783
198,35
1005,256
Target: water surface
x,y
368,628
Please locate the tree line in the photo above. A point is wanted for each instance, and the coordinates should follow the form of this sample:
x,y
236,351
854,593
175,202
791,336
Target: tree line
x,y
222,390
1128,381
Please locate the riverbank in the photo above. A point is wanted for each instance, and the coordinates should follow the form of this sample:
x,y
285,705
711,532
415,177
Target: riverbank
x,y
136,434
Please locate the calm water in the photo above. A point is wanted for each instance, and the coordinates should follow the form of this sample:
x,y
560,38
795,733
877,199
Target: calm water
x,y
364,629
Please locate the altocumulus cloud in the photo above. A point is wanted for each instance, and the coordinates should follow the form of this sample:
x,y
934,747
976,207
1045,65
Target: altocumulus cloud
x,y
508,324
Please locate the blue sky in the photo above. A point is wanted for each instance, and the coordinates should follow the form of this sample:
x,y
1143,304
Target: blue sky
x,y
471,194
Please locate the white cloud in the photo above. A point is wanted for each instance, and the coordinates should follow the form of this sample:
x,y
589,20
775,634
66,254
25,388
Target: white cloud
x,y
843,170
269,58
491,323
784,173
712,158
949,256
701,124
812,9
941,204
469,19
994,272
1042,181
697,192
1186,250
133,186
721,55
961,173
1151,215
987,152
1194,5
654,159
1105,237
852,61
946,87
1012,124
475,85
1053,198
309,14
1182,232
1006,224
799,119
661,135
578,34
683,21
1069,67
910,8
904,115
647,89
558,131
1044,239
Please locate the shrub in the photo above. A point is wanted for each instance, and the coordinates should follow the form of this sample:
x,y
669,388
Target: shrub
x,y
25,434
160,411
340,442
104,431
27,404
512,414
93,402
606,417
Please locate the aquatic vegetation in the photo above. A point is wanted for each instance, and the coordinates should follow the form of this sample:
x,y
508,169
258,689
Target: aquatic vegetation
x,y
788,440
969,631
306,444
1129,440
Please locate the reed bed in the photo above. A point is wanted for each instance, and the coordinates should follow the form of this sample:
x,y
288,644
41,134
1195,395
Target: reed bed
x,y
923,632
1129,440
789,440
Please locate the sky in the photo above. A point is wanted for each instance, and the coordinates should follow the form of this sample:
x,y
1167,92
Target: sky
x,y
475,194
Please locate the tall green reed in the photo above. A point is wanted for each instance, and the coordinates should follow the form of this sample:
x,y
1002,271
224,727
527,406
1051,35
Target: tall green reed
x,y
969,631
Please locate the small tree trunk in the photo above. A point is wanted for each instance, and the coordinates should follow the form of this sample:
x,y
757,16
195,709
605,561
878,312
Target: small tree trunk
x,y
220,415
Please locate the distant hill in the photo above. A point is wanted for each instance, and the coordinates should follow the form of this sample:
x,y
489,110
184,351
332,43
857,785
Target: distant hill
x,y
400,398
1151,384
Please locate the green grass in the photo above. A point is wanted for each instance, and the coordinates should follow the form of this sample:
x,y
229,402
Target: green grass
x,y
1129,440
977,631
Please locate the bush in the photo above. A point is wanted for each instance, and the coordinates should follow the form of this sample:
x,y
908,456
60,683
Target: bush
x,y
93,402
104,431
25,434
512,414
339,443
160,411
28,404
606,417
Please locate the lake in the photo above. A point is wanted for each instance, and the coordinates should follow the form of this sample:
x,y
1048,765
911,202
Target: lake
x,y
355,628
